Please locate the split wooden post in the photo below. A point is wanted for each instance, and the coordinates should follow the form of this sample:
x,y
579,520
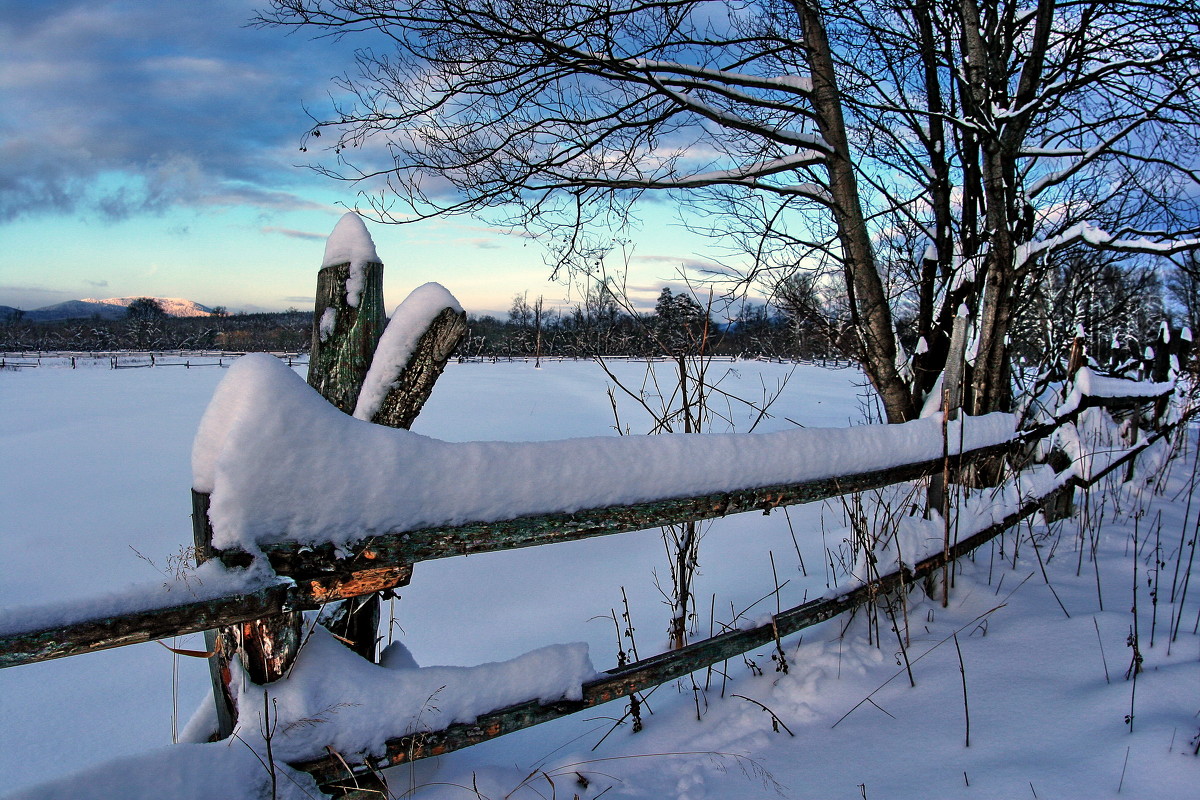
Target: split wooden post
x,y
412,387
346,329
348,322
345,336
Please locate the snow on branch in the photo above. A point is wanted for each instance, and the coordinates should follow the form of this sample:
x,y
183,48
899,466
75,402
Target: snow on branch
x,y
1088,383
1088,233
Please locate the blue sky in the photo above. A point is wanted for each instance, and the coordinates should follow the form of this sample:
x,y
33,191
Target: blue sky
x,y
152,148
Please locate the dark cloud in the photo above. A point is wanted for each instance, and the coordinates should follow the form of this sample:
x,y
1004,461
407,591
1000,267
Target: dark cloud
x,y
128,108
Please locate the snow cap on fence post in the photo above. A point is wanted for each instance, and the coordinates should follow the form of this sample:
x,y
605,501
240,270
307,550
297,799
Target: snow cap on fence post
x,y
348,316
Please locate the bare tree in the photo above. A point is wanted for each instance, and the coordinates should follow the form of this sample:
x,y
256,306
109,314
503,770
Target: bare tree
x,y
811,134
1183,287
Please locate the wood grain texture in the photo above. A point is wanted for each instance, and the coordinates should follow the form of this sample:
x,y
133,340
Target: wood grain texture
x,y
415,382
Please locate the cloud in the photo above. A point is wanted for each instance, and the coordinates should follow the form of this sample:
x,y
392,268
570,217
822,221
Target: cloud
x,y
15,288
294,233
481,244
118,109
96,284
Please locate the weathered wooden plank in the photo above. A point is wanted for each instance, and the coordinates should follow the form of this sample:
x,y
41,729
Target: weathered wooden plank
x,y
425,544
316,570
102,633
410,547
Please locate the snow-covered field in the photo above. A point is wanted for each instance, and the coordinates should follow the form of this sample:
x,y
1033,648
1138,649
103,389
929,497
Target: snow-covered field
x,y
94,496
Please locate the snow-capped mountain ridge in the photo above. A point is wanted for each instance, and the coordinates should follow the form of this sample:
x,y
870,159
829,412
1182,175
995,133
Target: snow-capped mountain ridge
x,y
174,306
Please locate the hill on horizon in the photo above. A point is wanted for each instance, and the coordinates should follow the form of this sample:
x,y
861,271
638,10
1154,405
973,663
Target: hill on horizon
x,y
111,308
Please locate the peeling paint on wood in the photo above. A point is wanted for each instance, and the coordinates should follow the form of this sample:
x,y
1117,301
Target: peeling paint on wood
x,y
340,359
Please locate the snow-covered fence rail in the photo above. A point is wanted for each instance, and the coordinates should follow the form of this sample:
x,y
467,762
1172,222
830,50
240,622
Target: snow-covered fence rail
x,y
305,575
334,771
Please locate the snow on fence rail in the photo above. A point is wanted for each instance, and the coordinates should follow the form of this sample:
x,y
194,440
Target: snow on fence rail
x,y
305,573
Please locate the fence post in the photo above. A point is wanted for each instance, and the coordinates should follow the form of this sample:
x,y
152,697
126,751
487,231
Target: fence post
x,y
341,353
412,387
1060,504
952,383
217,642
346,331
266,646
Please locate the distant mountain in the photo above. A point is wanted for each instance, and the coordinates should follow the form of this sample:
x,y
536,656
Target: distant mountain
x,y
110,308
174,306
73,309
8,312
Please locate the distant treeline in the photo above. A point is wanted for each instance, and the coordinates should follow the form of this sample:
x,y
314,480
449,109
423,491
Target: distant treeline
x,y
289,331
677,325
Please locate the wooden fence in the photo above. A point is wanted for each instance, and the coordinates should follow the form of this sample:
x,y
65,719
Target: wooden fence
x,y
262,627
134,359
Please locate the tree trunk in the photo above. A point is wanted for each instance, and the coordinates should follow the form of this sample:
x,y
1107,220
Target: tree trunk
x,y
870,312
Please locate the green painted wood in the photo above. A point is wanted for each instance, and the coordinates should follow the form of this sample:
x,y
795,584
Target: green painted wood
x,y
340,359
100,633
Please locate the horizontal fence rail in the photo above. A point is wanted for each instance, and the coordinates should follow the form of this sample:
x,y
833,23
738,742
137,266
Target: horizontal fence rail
x,y
386,561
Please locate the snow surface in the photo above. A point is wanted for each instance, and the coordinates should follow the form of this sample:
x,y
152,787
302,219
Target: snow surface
x,y
409,322
281,463
328,321
82,481
351,243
